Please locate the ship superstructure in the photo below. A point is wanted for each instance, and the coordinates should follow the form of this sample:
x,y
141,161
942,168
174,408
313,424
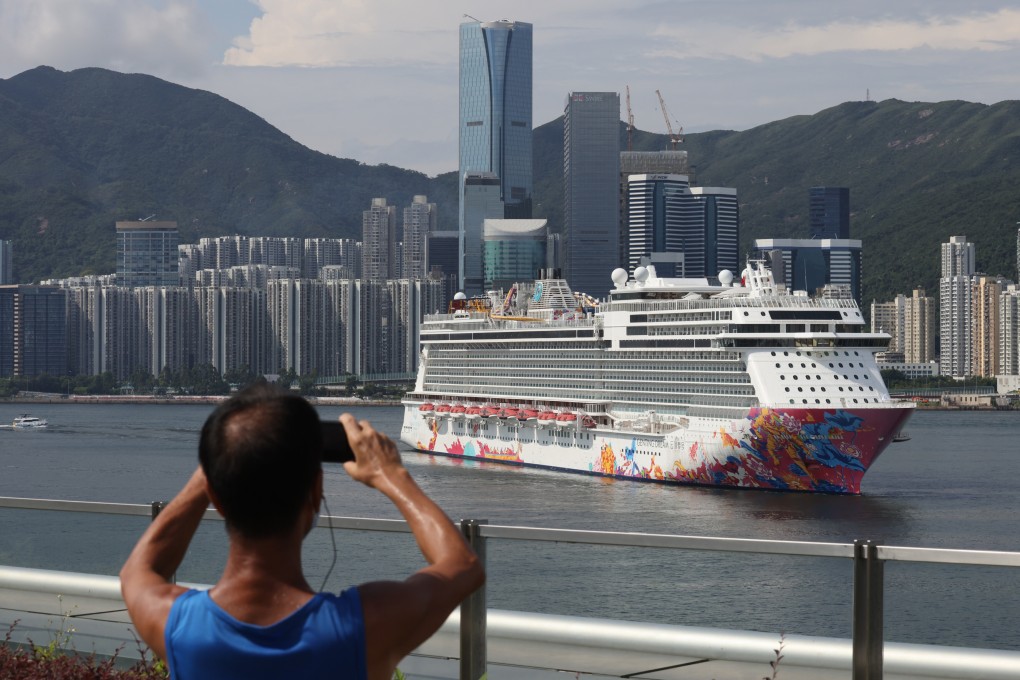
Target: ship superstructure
x,y
718,381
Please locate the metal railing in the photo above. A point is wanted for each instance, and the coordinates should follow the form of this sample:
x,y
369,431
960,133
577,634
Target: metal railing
x,y
868,558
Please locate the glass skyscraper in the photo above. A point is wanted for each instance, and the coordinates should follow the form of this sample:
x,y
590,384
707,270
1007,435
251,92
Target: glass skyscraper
x,y
495,122
591,190
495,107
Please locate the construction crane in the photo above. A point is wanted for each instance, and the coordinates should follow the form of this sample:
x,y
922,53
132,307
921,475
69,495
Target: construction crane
x,y
674,137
630,123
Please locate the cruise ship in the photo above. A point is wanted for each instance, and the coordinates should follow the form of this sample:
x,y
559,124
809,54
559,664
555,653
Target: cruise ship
x,y
718,382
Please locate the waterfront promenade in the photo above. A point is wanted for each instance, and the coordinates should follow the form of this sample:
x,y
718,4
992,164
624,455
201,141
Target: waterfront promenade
x,y
511,645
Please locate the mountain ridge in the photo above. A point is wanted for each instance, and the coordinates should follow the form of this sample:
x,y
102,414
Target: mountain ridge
x,y
80,150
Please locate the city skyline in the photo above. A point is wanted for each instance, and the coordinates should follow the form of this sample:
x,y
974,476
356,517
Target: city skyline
x,y
336,76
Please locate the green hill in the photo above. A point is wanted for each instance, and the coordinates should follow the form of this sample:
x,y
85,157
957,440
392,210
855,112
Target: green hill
x,y
83,149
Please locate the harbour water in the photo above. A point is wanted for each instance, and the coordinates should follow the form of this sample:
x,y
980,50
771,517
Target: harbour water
x,y
953,485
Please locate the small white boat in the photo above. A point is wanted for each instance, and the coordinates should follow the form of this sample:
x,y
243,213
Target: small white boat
x,y
27,422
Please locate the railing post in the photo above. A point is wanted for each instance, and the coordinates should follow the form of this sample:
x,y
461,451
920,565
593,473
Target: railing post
x,y
869,604
157,507
473,612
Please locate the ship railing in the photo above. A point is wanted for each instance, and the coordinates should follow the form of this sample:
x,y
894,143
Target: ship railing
x,y
773,301
520,638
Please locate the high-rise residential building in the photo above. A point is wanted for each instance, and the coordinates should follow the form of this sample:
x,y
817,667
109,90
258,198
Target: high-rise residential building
x,y
33,331
887,317
495,108
515,251
1009,330
811,264
6,263
910,321
829,212
480,200
147,254
919,320
664,162
985,298
591,199
956,307
420,219
379,241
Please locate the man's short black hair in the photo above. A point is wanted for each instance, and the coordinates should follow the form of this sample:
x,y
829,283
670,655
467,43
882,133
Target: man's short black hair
x,y
261,451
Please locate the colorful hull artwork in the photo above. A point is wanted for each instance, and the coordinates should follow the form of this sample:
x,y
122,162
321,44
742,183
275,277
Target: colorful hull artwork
x,y
813,450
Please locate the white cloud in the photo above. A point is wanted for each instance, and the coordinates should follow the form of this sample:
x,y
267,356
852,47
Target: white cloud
x,y
323,33
167,38
988,31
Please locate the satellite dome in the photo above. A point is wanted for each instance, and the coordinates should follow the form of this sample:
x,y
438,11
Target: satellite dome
x,y
725,277
460,296
640,274
619,276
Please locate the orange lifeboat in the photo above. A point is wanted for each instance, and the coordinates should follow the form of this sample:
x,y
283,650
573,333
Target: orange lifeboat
x,y
443,408
527,414
491,411
473,412
427,406
546,417
510,412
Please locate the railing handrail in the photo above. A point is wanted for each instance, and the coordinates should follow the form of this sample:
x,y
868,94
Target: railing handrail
x,y
607,538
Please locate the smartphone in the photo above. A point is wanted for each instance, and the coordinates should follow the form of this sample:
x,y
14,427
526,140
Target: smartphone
x,y
335,448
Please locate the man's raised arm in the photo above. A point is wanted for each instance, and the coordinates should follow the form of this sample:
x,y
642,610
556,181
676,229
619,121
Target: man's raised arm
x,y
145,577
401,615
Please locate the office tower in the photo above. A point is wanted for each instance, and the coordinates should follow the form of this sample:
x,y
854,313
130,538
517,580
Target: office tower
x,y
985,294
591,185
515,251
708,231
6,258
33,331
811,264
420,219
666,162
654,213
1018,254
479,201
955,307
1009,330
147,254
495,108
829,212
379,239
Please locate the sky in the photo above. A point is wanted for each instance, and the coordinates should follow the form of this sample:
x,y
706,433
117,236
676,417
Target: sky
x,y
376,80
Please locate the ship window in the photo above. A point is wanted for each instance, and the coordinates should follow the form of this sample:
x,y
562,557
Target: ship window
x,y
817,402
777,365
800,389
855,401
787,389
782,377
827,401
818,377
794,377
773,354
803,401
803,365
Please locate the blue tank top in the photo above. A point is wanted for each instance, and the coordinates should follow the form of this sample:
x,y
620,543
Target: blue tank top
x,y
325,638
